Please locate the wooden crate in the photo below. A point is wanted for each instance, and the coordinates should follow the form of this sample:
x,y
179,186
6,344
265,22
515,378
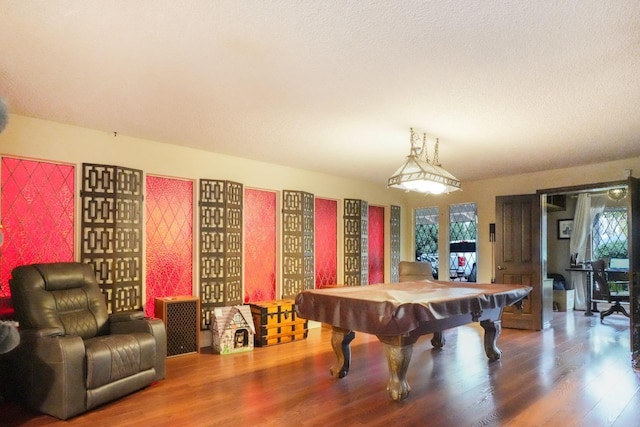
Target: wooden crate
x,y
276,323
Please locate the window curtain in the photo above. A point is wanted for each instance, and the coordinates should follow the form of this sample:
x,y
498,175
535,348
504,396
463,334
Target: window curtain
x,y
587,209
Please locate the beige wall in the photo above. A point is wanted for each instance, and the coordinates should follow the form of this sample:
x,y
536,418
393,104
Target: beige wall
x,y
38,139
58,142
558,253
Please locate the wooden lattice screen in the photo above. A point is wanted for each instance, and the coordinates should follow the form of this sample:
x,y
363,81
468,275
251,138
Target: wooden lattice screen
x,y
111,234
394,237
298,242
220,207
356,260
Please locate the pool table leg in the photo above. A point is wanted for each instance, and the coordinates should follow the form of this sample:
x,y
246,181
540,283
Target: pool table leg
x,y
340,340
398,358
492,329
437,341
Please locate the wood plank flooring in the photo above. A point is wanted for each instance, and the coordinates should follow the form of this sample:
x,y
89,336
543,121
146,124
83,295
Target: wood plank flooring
x,y
577,373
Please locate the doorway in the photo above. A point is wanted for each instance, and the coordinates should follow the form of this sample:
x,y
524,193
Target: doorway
x,y
632,186
570,244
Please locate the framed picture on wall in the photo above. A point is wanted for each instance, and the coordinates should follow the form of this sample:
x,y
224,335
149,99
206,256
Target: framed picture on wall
x,y
564,228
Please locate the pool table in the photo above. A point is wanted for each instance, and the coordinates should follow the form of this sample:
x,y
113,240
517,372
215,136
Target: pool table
x,y
399,313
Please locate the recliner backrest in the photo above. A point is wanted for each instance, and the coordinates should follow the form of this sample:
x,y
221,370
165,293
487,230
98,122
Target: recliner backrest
x,y
410,271
64,296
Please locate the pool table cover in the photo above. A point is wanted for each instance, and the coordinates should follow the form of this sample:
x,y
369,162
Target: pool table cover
x,y
398,308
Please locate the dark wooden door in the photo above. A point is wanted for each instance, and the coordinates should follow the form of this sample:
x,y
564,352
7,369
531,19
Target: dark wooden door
x,y
634,267
518,258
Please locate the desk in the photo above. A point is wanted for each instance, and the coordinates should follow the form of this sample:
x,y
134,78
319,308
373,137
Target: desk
x,y
588,271
399,313
591,305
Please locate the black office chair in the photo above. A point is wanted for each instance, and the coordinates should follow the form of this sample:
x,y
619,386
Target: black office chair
x,y
601,283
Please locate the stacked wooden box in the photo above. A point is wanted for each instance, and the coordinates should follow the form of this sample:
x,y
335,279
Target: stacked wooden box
x,y
276,323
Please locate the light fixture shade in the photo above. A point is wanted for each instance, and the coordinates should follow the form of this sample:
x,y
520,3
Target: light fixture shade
x,y
617,194
423,176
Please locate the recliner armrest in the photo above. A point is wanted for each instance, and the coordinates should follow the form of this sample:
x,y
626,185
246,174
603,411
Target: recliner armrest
x,y
47,371
151,326
125,316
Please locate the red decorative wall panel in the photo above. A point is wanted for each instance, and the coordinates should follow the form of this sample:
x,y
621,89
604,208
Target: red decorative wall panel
x,y
376,244
37,214
260,245
326,242
169,237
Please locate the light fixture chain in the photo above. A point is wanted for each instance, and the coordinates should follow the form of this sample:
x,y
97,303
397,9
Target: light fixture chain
x,y
415,148
425,152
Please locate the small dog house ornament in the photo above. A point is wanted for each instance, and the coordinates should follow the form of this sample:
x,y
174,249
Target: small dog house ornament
x,y
232,329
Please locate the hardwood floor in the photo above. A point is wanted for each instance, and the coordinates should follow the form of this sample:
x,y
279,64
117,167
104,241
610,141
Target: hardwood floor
x,y
578,373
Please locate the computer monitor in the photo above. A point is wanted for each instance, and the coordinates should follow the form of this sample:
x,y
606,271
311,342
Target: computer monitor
x,y
619,264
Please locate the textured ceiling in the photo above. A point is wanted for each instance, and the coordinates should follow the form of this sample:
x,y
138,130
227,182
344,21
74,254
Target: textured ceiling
x,y
334,86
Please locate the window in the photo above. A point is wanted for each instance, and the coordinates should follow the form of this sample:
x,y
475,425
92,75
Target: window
x,y
169,239
326,242
259,245
610,232
463,232
426,220
376,244
38,214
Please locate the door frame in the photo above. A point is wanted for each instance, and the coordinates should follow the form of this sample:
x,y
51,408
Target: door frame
x,y
633,205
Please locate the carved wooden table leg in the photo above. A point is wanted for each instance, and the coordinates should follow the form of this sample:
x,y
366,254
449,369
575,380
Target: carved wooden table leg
x,y
340,340
398,358
398,350
492,329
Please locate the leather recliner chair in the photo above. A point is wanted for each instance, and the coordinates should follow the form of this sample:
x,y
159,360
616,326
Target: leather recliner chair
x,y
73,355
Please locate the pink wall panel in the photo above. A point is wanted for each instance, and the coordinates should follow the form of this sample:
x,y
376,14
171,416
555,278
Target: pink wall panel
x,y
326,242
37,205
259,245
376,244
169,239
